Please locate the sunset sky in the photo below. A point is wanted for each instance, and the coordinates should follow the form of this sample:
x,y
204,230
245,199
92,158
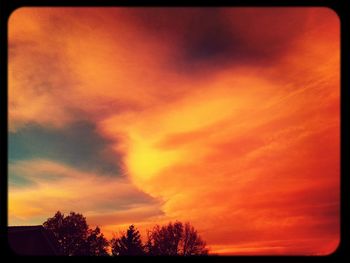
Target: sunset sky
x,y
224,117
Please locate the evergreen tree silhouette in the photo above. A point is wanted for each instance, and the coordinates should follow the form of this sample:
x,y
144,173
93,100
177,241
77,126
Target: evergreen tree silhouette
x,y
128,244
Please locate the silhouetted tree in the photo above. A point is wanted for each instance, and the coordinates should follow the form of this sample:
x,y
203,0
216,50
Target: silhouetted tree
x,y
70,231
165,240
175,239
96,243
128,244
192,243
74,236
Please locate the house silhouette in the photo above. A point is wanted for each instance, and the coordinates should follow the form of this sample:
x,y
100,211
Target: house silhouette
x,y
33,240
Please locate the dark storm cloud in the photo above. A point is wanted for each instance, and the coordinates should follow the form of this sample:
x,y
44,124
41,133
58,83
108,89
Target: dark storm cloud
x,y
16,180
216,37
77,144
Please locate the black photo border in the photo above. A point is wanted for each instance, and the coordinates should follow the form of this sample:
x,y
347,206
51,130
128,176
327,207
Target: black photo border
x,y
341,7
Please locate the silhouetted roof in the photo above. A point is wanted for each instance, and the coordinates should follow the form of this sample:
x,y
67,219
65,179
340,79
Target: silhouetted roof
x,y
32,240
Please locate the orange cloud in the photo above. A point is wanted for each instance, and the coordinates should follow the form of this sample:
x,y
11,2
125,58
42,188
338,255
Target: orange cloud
x,y
53,186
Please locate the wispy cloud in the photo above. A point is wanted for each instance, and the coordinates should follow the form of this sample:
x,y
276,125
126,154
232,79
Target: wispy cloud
x,y
54,186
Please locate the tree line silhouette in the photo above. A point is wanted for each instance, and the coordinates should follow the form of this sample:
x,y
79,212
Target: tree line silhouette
x,y
75,238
